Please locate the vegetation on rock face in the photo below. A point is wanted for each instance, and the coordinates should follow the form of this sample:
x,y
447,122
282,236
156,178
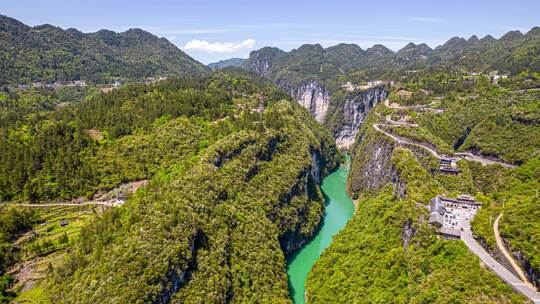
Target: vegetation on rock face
x,y
481,118
170,241
388,252
47,54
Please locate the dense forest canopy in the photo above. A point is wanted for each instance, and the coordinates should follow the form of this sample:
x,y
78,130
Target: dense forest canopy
x,y
184,134
47,53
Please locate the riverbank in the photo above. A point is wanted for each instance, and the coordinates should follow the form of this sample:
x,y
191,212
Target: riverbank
x,y
339,209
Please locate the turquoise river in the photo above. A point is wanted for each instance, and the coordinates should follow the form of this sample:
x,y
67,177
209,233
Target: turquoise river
x,y
339,209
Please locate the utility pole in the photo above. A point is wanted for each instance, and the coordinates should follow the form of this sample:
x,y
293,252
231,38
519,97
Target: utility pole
x,y
261,110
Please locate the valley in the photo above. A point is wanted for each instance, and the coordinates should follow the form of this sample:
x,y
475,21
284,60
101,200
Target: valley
x,y
132,173
338,210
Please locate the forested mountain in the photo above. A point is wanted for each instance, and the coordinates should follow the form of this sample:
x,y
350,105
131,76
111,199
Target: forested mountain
x,y
233,62
234,188
221,220
231,168
47,53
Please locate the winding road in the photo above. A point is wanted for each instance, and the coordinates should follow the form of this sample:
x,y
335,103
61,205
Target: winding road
x,y
464,155
402,140
398,107
485,161
519,284
399,123
502,249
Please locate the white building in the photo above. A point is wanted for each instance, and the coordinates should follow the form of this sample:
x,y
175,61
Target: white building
x,y
451,216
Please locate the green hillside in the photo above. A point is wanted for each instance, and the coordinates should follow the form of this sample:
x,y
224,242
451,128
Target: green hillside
x,y
47,54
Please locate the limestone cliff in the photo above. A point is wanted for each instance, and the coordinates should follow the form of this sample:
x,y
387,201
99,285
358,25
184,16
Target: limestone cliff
x,y
311,95
372,168
262,60
349,117
307,186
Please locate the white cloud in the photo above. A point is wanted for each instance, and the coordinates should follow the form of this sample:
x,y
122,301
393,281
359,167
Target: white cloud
x,y
171,38
218,47
428,19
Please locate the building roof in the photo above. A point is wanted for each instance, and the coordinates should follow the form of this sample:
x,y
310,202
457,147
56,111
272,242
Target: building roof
x,y
437,212
450,232
462,199
449,169
436,218
437,205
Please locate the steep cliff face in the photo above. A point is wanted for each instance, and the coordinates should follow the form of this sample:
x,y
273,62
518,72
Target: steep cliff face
x,y
353,112
307,186
372,168
532,274
408,231
311,95
262,60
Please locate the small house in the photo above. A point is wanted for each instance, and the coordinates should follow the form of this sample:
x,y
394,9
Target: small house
x,y
448,165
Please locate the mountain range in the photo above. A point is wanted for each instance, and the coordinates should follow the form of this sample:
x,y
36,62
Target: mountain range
x,y
49,53
511,53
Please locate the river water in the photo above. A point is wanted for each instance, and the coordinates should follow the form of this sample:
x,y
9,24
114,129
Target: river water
x,y
339,209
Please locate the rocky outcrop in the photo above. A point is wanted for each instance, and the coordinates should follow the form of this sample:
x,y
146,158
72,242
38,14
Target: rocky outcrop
x,y
372,166
309,181
354,110
262,60
407,233
311,95
533,275
315,169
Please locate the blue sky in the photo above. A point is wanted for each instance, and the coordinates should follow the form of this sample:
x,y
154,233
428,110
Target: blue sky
x,y
213,30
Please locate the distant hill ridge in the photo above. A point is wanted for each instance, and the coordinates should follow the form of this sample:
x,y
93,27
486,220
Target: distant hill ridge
x,y
232,62
512,53
49,53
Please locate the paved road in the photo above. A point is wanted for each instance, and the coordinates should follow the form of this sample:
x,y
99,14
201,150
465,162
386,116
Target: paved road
x,y
484,161
500,270
525,90
107,203
399,123
398,107
502,249
466,155
402,140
